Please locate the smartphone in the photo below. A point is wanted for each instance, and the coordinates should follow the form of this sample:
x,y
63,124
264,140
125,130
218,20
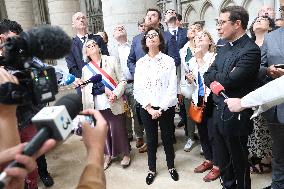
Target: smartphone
x,y
79,119
279,66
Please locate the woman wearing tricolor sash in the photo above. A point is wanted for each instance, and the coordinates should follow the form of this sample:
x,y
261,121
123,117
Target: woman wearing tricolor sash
x,y
106,96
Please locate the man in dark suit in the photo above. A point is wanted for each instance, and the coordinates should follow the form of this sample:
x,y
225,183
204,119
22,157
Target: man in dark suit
x,y
236,67
74,59
152,19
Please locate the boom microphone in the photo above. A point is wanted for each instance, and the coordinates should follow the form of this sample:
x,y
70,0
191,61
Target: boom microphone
x,y
52,122
94,79
218,89
44,42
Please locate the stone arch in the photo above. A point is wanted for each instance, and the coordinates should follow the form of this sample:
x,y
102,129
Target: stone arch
x,y
226,3
3,12
189,11
207,4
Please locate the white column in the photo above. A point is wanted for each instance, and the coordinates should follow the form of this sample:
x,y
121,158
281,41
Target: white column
x,y
124,12
20,11
61,11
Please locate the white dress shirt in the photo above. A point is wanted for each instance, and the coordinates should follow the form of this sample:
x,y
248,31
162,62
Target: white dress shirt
x,y
265,97
123,52
81,37
155,81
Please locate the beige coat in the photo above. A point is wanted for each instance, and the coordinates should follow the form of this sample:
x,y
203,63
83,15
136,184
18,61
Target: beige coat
x,y
112,68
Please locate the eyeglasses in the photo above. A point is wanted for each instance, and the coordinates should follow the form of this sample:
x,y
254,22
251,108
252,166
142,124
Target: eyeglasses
x,y
152,35
281,9
261,19
221,22
93,44
170,11
119,28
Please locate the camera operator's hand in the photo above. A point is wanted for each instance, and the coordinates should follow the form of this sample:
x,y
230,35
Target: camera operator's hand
x,y
18,174
78,82
8,122
94,137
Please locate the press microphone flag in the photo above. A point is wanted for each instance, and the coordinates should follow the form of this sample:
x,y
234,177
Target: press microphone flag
x,y
94,79
52,122
218,89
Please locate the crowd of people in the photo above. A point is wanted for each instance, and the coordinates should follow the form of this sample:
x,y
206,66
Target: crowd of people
x,y
143,83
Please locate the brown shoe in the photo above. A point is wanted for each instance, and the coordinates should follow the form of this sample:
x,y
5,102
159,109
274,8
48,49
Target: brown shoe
x,y
143,148
212,175
139,142
203,167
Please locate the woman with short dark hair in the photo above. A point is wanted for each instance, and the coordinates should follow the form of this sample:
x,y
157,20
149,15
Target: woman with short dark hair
x,y
155,89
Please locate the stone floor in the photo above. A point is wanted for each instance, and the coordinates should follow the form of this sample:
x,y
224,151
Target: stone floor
x,y
67,161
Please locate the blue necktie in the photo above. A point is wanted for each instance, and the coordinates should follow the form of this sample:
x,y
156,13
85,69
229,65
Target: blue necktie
x,y
83,39
188,55
175,34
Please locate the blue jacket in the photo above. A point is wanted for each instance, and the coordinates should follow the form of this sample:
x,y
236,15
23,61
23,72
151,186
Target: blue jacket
x,y
136,51
74,59
181,37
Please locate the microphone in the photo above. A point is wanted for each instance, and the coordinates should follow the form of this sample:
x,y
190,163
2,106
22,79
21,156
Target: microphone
x,y
94,79
52,122
218,89
44,42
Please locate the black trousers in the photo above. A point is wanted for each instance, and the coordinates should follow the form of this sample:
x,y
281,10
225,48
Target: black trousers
x,y
232,154
165,121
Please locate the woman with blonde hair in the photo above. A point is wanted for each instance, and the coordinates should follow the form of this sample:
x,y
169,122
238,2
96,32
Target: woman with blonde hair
x,y
106,96
204,55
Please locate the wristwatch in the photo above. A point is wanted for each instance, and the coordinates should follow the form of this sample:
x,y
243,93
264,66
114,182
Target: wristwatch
x,y
160,110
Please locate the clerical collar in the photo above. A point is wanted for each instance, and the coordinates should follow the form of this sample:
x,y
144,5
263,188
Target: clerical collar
x,y
234,42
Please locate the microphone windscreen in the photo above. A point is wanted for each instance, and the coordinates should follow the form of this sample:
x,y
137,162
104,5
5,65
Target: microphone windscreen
x,y
72,102
216,87
69,79
96,78
47,42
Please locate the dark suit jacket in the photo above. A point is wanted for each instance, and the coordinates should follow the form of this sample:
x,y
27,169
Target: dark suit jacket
x,y
74,59
181,37
136,51
272,53
236,68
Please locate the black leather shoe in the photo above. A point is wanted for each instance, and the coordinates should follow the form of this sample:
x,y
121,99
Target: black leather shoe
x,y
47,180
150,178
174,174
268,187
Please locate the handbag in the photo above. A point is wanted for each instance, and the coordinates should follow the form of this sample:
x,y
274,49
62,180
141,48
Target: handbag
x,y
196,112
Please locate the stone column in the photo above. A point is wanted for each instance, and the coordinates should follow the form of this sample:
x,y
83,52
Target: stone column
x,y
61,11
124,12
20,11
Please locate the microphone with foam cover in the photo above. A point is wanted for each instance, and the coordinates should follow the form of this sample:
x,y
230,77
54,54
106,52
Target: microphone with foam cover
x,y
44,42
52,122
94,79
218,89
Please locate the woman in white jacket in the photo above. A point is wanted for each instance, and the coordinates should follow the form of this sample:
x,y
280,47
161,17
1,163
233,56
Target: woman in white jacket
x,y
204,55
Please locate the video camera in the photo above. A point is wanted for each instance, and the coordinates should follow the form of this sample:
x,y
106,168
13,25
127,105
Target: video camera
x,y
37,82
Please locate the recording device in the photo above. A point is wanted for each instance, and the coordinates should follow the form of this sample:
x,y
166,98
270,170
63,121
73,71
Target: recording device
x,y
38,84
279,66
52,122
94,79
218,89
78,121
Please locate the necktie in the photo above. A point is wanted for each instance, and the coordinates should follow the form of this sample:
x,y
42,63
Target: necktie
x,y
83,39
175,34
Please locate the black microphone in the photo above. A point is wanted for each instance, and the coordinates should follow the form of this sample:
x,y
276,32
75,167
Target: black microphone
x,y
94,79
44,42
52,122
218,89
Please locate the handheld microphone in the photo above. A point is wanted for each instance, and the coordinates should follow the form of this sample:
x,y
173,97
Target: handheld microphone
x,y
52,122
218,89
94,79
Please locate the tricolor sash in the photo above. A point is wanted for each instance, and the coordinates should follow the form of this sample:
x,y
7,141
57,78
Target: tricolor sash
x,y
106,79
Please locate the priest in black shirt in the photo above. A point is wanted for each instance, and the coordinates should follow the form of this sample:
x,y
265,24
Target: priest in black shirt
x,y
236,67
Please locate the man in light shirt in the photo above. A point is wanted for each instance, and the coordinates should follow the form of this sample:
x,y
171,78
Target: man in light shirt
x,y
121,51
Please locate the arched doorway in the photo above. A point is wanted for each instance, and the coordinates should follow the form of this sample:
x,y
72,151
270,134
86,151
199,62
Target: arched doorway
x,y
94,15
3,12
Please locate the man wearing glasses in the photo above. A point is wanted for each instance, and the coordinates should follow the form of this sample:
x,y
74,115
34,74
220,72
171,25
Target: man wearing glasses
x,y
235,67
